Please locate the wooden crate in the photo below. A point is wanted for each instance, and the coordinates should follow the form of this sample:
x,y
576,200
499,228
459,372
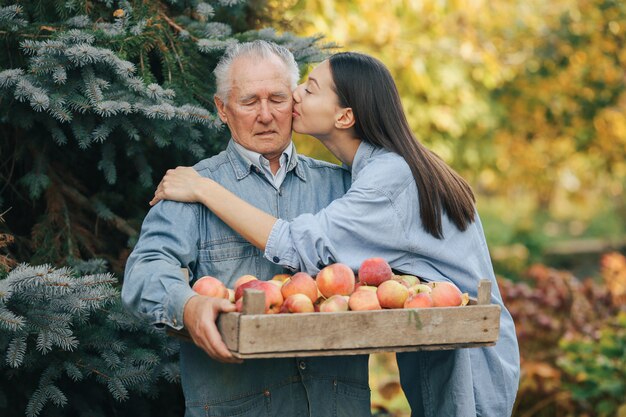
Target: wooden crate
x,y
252,334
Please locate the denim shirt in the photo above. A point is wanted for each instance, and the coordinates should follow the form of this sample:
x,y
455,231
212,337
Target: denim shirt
x,y
176,235
379,217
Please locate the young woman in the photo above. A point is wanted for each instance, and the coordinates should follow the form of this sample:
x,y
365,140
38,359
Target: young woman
x,y
405,205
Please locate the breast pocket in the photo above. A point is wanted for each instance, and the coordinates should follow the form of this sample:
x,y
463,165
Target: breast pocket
x,y
228,259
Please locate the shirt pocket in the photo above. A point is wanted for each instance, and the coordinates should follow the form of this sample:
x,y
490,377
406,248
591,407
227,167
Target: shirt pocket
x,y
228,258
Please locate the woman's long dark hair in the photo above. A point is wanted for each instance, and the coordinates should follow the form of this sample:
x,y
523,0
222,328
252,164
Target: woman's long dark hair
x,y
364,84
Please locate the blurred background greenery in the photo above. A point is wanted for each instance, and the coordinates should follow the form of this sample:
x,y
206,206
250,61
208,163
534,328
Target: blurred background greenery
x,y
525,99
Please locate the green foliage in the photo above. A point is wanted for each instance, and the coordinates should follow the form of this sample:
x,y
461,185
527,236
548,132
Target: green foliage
x,y
97,100
64,334
572,339
596,367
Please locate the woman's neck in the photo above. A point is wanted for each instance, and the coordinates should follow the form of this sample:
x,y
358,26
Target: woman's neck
x,y
343,146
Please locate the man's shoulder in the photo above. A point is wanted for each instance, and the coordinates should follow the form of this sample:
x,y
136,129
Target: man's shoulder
x,y
313,163
210,165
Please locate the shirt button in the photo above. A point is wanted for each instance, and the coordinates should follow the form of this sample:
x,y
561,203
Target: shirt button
x,y
276,259
302,365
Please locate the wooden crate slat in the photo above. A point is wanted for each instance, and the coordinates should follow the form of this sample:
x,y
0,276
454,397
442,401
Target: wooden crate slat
x,y
362,329
362,351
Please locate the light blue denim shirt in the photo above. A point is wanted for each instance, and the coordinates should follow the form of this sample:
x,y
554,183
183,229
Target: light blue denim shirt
x,y
379,217
176,235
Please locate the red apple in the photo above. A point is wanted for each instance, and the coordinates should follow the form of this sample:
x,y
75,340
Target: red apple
x,y
334,304
419,300
363,300
335,279
392,294
445,294
242,280
211,287
300,283
375,271
278,284
273,297
298,303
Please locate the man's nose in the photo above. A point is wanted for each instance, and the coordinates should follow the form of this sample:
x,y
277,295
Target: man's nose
x,y
296,94
265,113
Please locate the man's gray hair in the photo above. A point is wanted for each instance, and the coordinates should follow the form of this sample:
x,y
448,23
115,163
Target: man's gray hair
x,y
259,49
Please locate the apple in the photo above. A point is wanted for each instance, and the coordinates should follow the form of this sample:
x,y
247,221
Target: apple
x,y
335,279
298,303
392,294
407,280
420,288
419,300
211,287
279,284
242,280
375,271
334,304
280,277
366,288
363,300
300,283
445,294
273,297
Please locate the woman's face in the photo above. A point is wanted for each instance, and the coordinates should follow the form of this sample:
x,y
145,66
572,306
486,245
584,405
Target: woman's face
x,y
316,105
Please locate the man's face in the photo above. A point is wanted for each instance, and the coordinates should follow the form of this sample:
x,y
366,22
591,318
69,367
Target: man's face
x,y
259,107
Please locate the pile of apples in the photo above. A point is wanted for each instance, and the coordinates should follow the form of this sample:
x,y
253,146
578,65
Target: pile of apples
x,y
336,289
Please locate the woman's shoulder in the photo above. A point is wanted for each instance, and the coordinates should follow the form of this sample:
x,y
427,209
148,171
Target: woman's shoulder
x,y
385,170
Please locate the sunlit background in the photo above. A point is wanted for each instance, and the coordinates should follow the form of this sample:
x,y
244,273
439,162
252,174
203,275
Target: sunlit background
x,y
526,99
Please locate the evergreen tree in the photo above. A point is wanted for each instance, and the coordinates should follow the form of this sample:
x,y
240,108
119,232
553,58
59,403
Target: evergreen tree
x,y
66,341
97,99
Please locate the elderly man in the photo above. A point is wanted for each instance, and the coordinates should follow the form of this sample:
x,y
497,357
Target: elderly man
x,y
260,164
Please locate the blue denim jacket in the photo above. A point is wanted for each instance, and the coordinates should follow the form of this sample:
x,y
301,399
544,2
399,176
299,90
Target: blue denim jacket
x,y
379,217
176,235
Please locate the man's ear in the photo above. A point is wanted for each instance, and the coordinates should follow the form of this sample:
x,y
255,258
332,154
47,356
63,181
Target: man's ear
x,y
344,118
221,108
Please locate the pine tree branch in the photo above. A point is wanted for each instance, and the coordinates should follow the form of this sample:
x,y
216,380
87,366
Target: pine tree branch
x,y
118,222
176,27
95,371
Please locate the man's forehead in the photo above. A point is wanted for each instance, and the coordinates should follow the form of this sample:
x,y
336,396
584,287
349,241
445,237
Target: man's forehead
x,y
260,74
262,88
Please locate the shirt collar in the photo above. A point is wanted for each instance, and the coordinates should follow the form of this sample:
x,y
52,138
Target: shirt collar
x,y
242,159
362,157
